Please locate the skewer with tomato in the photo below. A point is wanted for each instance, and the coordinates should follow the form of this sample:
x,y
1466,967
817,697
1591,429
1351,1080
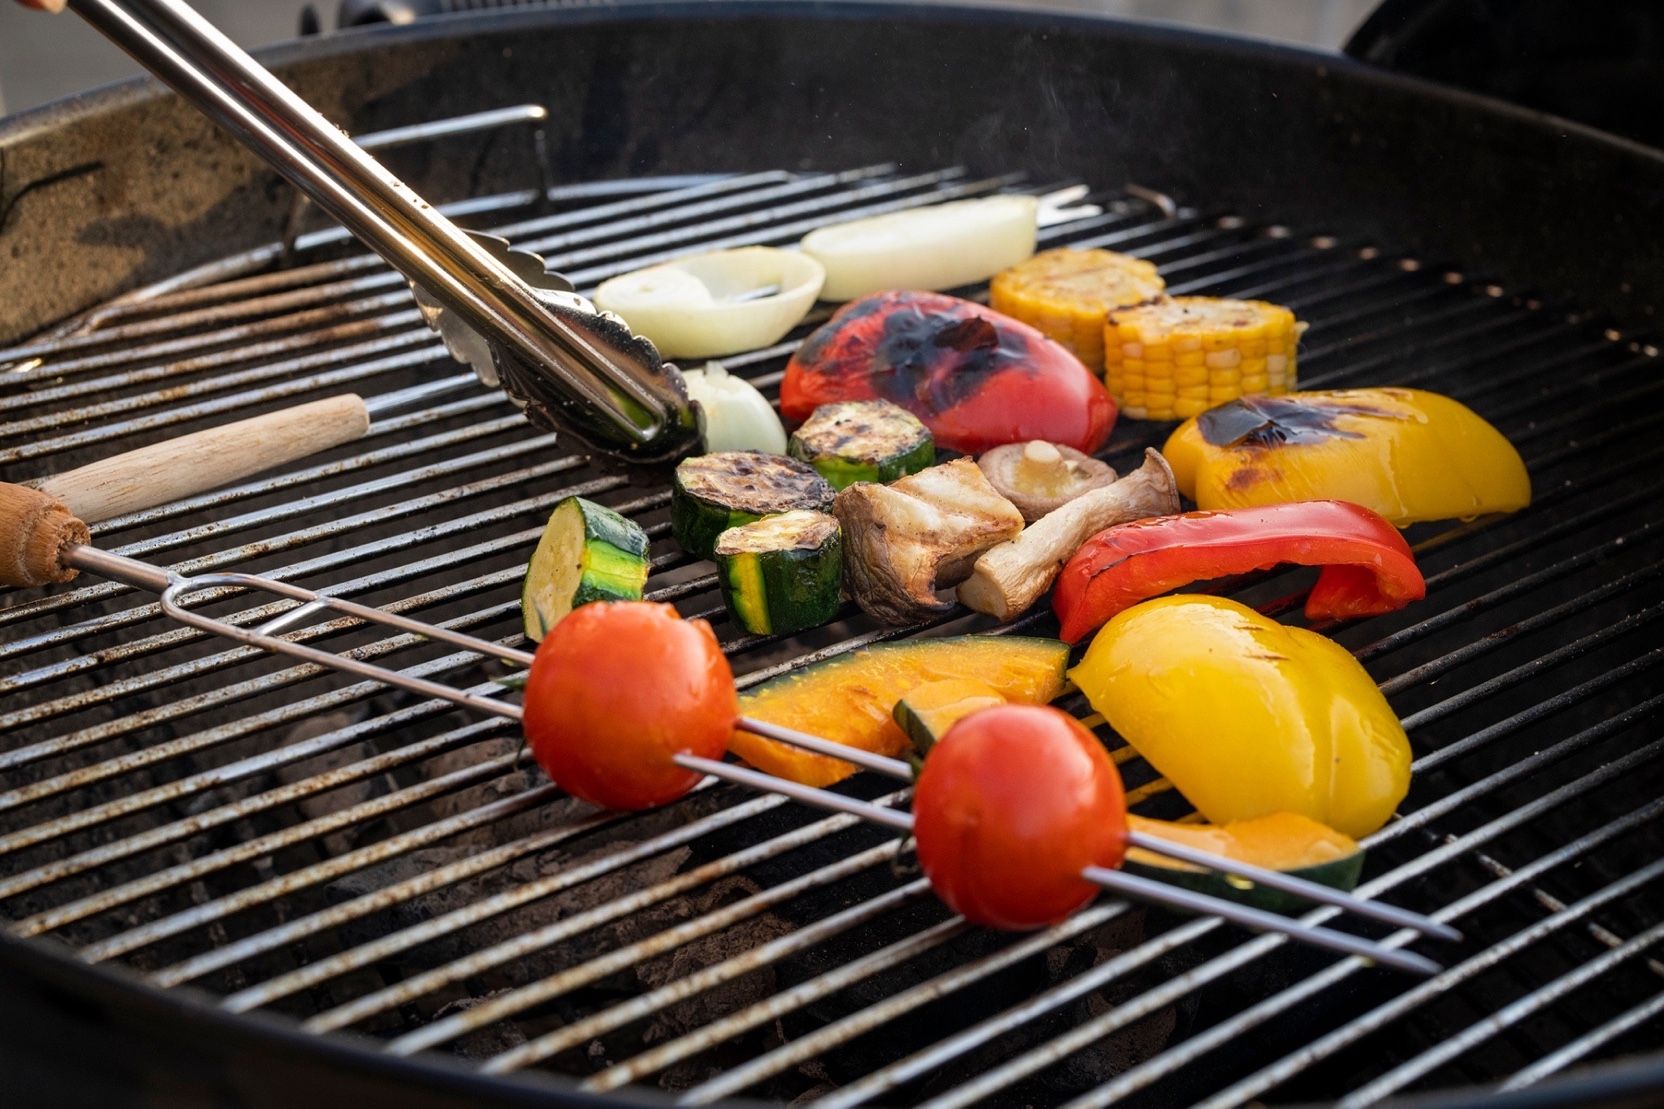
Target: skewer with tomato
x,y
1019,814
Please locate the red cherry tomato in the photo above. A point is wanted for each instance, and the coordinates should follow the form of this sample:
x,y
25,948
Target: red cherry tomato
x,y
1013,802
617,689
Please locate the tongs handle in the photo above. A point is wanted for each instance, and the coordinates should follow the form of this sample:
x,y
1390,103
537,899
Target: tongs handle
x,y
636,410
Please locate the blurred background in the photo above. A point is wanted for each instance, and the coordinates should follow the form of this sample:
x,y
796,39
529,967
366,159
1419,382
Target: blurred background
x,y
44,57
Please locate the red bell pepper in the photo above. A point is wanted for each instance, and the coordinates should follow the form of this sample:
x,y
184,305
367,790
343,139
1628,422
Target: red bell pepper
x,y
975,378
1367,566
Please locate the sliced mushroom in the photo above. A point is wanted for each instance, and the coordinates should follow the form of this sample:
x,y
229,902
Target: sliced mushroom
x,y
1040,477
904,541
1012,576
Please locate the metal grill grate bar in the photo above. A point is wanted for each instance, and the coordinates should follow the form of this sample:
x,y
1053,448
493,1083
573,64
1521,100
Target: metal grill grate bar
x,y
1576,568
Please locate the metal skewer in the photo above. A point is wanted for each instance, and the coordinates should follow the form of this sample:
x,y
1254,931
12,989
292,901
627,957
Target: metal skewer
x,y
174,587
1143,889
1272,879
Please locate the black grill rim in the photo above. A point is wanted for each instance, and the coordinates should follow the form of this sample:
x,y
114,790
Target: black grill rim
x,y
133,1032
1501,167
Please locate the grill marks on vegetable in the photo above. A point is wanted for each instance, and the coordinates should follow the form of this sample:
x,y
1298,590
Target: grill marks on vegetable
x,y
714,492
850,441
783,573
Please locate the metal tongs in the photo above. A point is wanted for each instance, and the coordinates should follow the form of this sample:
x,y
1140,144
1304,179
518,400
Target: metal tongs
x,y
571,368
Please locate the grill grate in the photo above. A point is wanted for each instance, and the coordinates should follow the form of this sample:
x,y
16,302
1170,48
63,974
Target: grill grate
x,y
290,840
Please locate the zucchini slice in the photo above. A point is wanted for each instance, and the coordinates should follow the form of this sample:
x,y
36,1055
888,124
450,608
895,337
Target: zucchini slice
x,y
588,553
782,573
1288,842
863,440
927,711
714,492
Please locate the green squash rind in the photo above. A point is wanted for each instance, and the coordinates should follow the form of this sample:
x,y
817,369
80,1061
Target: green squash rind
x,y
1341,874
696,520
781,591
843,461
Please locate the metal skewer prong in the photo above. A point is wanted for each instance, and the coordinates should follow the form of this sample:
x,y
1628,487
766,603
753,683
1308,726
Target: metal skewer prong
x,y
1272,879
1143,889
174,587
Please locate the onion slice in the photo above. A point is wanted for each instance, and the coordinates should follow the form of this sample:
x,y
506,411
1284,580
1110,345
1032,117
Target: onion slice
x,y
943,246
737,417
719,303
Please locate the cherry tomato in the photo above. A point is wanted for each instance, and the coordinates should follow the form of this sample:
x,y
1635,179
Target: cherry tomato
x,y
617,689
1013,802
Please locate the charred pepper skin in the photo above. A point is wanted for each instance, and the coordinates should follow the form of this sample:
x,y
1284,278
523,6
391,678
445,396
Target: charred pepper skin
x,y
976,378
1247,717
1367,566
1407,454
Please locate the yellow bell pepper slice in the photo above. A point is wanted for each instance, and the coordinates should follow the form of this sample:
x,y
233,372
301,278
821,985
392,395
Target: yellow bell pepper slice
x,y
1247,717
1408,454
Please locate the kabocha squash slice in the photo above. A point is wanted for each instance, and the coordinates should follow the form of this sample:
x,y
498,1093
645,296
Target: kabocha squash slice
x,y
849,699
926,712
1287,842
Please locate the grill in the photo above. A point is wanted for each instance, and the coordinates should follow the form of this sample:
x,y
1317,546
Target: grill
x,y
391,876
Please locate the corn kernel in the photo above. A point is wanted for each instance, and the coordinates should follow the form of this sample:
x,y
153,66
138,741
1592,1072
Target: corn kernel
x,y
1067,293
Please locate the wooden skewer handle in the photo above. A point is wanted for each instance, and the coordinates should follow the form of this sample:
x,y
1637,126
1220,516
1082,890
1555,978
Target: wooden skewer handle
x,y
34,527
205,460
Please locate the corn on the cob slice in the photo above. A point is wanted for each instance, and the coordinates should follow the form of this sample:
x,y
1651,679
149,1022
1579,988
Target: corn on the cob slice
x,y
1068,293
1182,355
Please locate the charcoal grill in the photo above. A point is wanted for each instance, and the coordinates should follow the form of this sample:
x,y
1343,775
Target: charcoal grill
x,y
226,877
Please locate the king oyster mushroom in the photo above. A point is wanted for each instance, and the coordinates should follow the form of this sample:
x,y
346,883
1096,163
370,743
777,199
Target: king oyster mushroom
x,y
1010,577
904,541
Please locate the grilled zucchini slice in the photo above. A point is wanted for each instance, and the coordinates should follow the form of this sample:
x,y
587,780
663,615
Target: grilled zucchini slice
x,y
863,440
588,553
782,573
714,492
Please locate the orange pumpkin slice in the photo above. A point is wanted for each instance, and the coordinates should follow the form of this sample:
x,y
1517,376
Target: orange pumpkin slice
x,y
849,699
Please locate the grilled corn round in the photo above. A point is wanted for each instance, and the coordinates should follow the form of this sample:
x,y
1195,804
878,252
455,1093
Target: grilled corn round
x,y
1068,293
1182,355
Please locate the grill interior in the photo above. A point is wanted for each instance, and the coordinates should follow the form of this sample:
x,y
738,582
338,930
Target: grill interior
x,y
293,841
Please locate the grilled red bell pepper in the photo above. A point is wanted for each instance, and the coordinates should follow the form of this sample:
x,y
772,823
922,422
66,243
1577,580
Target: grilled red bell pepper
x,y
1367,566
975,378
